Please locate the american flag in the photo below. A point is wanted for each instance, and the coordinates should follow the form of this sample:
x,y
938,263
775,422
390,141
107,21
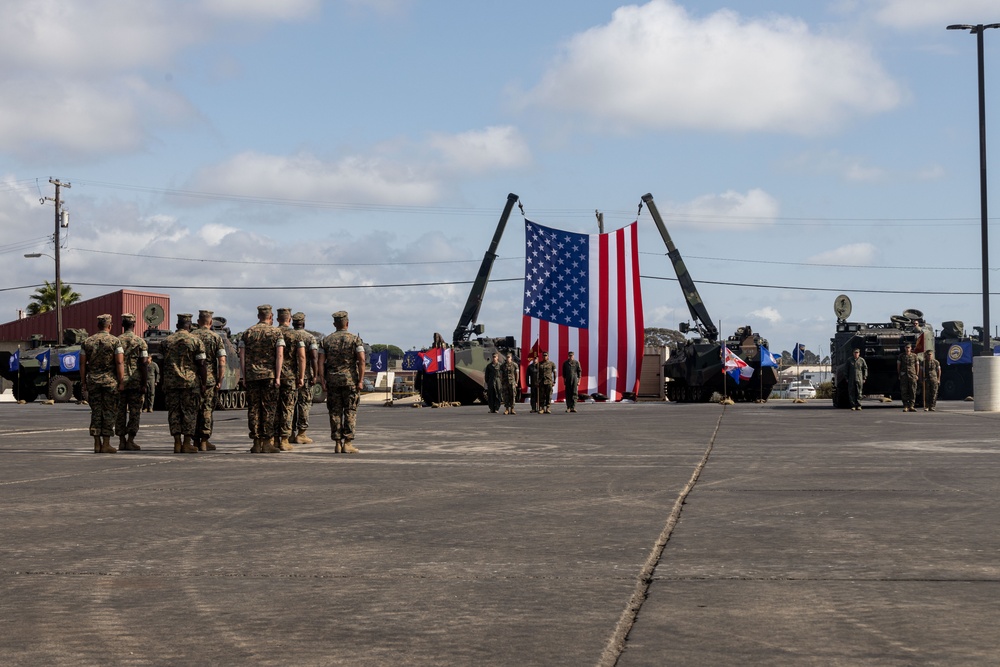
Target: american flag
x,y
581,294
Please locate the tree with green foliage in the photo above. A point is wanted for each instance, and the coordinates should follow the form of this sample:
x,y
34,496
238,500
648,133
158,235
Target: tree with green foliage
x,y
394,352
44,298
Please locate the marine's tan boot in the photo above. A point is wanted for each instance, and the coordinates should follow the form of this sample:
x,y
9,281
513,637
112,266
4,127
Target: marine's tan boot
x,y
187,447
256,446
284,445
97,444
303,439
267,446
348,448
129,444
106,447
177,444
206,446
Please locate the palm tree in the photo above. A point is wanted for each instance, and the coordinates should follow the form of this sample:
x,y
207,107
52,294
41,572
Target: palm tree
x,y
44,298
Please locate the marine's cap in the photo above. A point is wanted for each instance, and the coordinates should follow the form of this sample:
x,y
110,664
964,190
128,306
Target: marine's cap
x,y
284,312
299,317
205,314
104,319
264,310
128,317
183,319
340,315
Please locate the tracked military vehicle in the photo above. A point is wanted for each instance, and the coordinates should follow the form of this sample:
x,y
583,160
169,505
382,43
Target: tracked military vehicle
x,y
694,367
472,351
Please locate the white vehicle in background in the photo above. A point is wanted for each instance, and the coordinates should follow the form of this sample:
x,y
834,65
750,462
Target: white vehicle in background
x,y
799,390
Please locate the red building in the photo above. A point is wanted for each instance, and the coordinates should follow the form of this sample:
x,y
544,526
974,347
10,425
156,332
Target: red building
x,y
83,315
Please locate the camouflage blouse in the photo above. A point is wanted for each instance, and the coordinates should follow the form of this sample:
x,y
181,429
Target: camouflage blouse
x,y
340,350
295,340
181,353
260,344
214,349
136,352
99,350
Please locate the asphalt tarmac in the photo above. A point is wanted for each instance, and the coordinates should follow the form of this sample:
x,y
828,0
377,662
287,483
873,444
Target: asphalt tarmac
x,y
641,534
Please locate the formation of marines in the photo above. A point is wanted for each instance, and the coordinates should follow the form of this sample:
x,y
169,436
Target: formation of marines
x,y
542,378
279,366
911,371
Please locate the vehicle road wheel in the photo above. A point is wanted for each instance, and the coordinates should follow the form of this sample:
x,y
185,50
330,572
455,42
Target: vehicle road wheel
x,y
61,389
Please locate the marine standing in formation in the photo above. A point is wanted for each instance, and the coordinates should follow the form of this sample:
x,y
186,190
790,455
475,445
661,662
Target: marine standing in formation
x,y
215,371
931,370
509,375
546,371
293,372
136,357
856,372
152,379
184,383
102,367
571,373
304,399
493,383
908,367
342,359
261,358
532,379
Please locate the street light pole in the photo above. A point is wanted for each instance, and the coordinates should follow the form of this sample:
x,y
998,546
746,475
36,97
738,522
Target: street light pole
x,y
58,201
978,31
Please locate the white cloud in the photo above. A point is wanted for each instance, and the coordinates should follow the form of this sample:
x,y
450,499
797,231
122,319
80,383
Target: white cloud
x,y
266,10
729,210
656,66
767,313
855,254
498,147
935,13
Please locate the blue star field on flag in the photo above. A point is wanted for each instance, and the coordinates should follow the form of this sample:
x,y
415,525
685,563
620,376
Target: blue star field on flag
x,y
556,281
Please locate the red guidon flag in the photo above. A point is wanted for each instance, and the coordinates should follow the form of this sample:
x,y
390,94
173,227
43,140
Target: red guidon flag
x,y
582,295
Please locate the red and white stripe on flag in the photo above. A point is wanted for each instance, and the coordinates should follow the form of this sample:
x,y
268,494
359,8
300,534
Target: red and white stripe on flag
x,y
582,294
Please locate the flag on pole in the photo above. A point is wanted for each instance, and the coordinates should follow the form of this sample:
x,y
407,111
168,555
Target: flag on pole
x,y
380,361
960,353
14,362
69,362
411,360
767,360
735,367
581,294
437,360
799,353
43,361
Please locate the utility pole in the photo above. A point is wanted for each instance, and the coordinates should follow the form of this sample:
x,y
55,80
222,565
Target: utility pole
x,y
59,221
600,221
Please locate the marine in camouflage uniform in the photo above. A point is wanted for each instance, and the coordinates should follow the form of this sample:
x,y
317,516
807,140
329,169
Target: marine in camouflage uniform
x,y
152,379
532,379
494,386
261,358
509,372
304,397
215,371
856,373
908,367
571,372
342,358
102,367
136,355
183,383
931,370
546,371
292,378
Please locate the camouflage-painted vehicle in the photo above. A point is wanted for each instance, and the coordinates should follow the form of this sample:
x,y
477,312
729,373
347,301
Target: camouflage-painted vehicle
x,y
466,384
694,367
59,385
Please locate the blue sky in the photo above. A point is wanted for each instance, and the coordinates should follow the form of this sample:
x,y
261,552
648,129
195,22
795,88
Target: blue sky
x,y
264,145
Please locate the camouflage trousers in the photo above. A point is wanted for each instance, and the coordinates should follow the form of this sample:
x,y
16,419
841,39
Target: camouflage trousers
x,y
183,406
572,390
287,394
103,410
129,408
206,414
303,406
342,403
854,392
262,397
930,397
493,396
509,394
544,396
908,389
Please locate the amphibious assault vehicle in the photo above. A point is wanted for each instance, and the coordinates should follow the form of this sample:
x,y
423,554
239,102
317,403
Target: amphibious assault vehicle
x,y
472,351
694,367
